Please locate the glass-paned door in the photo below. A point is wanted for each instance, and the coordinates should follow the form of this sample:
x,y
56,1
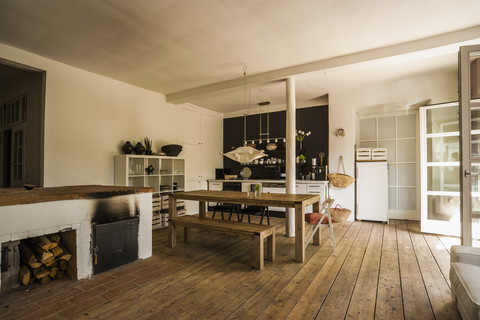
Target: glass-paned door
x,y
440,164
469,76
398,133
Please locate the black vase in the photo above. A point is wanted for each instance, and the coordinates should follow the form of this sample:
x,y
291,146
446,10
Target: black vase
x,y
139,148
127,148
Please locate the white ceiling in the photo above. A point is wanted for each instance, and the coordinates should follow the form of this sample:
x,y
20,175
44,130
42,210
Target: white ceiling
x,y
194,51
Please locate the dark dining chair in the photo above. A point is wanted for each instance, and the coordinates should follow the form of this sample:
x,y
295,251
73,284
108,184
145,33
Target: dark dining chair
x,y
254,210
225,207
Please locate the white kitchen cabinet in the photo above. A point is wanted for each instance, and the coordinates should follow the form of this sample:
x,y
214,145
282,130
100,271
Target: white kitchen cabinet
x,y
191,207
199,128
202,162
313,187
202,144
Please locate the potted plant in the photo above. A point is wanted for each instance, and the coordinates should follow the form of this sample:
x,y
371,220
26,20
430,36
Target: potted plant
x,y
258,190
148,146
302,158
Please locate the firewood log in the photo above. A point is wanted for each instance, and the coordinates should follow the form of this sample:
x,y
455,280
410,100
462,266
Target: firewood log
x,y
44,242
65,255
60,274
44,280
25,275
40,253
53,263
62,264
28,257
56,251
53,272
49,260
40,272
55,237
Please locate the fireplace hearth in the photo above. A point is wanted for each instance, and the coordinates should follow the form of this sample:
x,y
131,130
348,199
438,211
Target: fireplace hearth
x,y
74,211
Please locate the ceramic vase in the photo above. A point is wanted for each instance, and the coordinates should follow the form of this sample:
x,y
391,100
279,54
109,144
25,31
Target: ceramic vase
x,y
127,148
139,148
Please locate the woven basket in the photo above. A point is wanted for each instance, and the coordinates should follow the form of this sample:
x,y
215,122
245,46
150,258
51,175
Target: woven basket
x,y
340,214
340,180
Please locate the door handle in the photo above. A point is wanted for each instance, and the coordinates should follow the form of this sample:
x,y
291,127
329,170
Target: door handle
x,y
469,173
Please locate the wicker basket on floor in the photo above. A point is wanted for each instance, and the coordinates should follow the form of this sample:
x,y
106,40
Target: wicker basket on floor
x,y
340,214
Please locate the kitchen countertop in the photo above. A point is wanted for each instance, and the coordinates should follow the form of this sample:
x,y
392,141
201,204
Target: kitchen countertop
x,y
14,196
267,181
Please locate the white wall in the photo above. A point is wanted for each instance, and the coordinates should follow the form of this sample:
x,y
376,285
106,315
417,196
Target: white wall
x,y
88,117
344,106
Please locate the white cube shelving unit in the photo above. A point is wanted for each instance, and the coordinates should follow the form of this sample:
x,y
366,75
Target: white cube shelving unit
x,y
168,176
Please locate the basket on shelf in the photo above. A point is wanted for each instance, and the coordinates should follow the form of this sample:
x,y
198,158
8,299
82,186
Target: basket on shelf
x,y
340,214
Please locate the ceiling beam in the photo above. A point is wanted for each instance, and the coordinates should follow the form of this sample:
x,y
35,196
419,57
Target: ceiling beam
x,y
436,45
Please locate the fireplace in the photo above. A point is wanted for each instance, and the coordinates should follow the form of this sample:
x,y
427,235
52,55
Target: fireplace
x,y
73,211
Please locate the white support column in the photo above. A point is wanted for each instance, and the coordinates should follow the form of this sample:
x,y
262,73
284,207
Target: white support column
x,y
290,155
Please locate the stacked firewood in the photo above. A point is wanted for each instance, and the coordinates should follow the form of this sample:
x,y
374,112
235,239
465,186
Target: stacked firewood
x,y
42,259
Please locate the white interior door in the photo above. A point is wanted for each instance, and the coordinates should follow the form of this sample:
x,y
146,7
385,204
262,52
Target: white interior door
x,y
469,76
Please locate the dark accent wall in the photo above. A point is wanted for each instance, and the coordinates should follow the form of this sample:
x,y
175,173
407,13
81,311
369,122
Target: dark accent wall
x,y
314,119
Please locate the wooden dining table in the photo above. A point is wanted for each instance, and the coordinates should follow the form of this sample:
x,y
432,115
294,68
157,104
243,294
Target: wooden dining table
x,y
296,201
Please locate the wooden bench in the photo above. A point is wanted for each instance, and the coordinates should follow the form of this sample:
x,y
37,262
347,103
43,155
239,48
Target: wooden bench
x,y
258,232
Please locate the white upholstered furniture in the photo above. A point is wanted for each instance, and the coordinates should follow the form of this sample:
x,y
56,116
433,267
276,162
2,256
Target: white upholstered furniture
x,y
465,280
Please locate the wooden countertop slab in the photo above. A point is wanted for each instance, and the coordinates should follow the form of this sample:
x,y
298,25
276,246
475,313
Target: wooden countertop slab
x,y
14,196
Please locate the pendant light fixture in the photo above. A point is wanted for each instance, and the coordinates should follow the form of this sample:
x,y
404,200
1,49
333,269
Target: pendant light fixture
x,y
245,154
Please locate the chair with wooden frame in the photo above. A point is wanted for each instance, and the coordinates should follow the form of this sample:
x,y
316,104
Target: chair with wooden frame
x,y
325,210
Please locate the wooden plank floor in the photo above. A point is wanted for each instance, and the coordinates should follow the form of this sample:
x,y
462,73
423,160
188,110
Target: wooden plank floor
x,y
382,271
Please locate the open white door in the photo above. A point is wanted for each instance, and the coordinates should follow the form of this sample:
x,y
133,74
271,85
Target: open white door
x,y
469,96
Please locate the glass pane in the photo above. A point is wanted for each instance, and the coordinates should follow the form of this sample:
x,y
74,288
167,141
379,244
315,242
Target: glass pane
x,y
475,187
407,126
407,174
407,198
443,208
24,108
442,120
443,149
475,76
443,178
391,149
391,175
368,144
476,232
17,111
386,128
392,197
368,129
407,150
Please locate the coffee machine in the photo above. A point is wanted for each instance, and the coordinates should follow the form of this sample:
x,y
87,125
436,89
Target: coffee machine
x,y
318,172
314,171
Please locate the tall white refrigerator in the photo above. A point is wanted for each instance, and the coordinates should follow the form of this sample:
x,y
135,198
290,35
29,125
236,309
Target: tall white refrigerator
x,y
372,190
